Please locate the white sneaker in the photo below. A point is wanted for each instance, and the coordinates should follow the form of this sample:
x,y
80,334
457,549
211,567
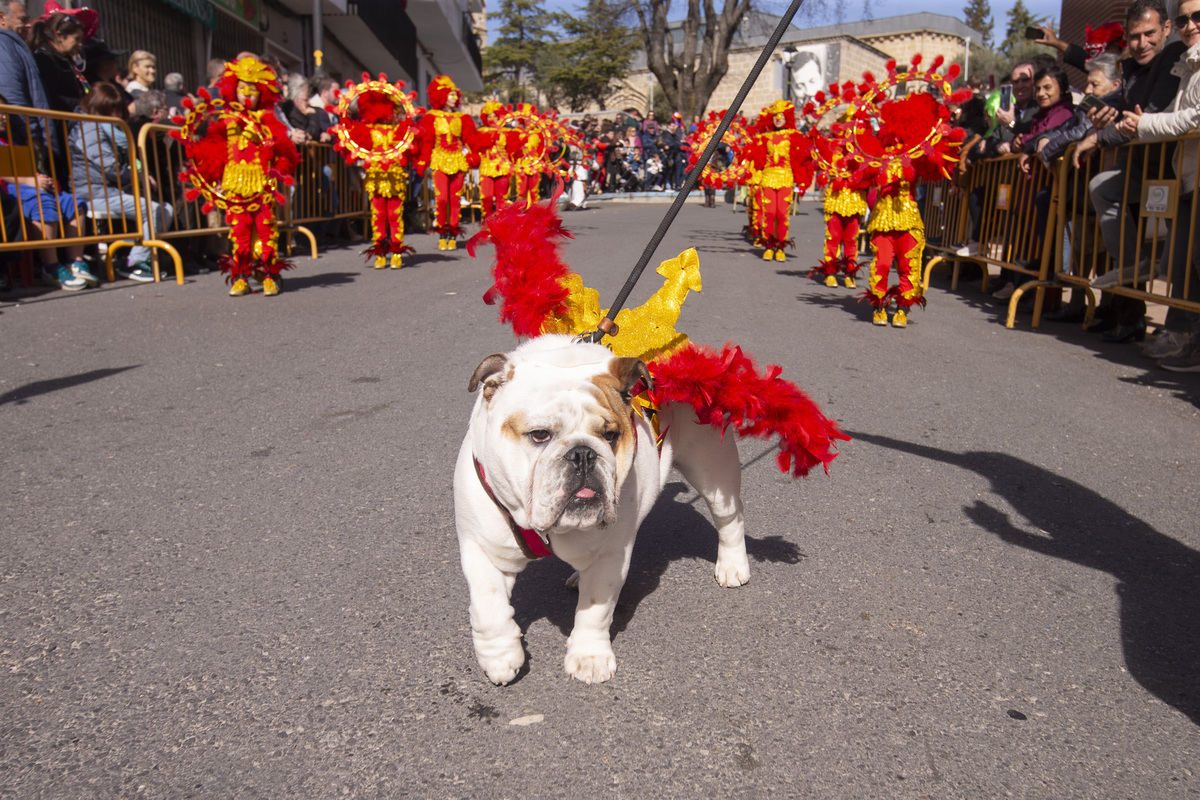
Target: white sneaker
x,y
1171,343
968,249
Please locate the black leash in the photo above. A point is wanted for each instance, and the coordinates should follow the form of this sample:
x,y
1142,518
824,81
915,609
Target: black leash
x,y
609,328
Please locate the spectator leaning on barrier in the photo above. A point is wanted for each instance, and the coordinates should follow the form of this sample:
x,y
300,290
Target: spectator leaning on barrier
x,y
1149,84
102,168
20,80
1103,82
1015,119
1177,346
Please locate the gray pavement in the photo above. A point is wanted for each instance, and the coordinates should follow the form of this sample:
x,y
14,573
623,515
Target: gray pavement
x,y
229,568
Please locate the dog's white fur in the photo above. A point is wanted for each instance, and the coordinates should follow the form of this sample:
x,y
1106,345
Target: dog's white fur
x,y
573,392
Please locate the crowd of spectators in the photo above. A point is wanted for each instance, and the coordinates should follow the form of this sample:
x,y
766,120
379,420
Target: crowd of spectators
x,y
1141,85
633,153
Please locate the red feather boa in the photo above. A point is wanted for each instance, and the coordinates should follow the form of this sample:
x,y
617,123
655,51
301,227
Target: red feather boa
x,y
726,389
528,268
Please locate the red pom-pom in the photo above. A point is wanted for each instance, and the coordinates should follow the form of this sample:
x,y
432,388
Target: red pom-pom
x,y
916,60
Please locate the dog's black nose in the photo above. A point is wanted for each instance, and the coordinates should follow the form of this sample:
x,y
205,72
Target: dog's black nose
x,y
583,457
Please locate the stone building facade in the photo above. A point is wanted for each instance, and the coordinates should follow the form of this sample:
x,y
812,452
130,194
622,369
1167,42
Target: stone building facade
x,y
824,55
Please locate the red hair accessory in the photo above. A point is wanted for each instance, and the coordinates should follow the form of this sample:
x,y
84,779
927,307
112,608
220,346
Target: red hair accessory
x,y
89,18
1101,38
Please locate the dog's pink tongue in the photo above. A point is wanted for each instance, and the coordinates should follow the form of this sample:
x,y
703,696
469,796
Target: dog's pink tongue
x,y
585,493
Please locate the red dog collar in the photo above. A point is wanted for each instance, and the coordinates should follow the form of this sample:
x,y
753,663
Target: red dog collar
x,y
532,544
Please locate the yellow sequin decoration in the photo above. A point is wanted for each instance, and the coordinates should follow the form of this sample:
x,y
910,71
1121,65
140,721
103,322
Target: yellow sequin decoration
x,y
444,160
494,163
646,332
244,178
390,182
846,202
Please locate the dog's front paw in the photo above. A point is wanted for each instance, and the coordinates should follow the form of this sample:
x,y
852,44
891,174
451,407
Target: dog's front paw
x,y
501,668
733,568
594,667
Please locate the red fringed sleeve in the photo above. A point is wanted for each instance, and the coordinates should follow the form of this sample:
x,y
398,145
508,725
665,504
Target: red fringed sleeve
x,y
726,389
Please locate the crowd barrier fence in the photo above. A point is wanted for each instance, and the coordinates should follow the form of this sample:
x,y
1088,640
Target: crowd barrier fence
x,y
59,146
1156,229
1045,224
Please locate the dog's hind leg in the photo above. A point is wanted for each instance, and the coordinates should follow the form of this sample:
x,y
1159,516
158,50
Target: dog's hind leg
x,y
709,462
496,634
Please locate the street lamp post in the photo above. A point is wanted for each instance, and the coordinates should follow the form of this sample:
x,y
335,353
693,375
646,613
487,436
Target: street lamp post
x,y
786,58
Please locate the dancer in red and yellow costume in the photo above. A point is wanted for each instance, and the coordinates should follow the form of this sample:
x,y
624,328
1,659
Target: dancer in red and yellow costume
x,y
499,147
238,154
915,141
727,169
532,157
782,156
375,127
449,145
845,201
542,147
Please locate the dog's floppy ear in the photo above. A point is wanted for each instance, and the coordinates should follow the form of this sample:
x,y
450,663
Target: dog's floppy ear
x,y
632,376
491,373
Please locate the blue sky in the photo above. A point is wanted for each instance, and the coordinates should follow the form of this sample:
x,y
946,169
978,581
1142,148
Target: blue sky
x,y
883,8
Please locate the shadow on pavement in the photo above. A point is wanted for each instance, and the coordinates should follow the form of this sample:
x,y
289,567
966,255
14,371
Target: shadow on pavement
x,y
675,530
22,394
318,280
1158,577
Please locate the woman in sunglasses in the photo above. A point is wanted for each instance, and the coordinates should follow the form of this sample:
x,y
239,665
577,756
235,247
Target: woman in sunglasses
x,y
1179,347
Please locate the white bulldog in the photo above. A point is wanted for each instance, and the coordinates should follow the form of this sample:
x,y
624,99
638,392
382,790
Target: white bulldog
x,y
555,461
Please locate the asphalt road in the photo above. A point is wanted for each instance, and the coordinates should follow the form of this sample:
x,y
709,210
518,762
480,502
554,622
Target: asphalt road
x,y
229,568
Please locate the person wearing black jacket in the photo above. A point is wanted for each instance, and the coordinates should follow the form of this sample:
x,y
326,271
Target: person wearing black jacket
x,y
1150,85
56,41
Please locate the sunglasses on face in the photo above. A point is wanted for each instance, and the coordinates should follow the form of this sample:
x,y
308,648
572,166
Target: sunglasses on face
x,y
1183,19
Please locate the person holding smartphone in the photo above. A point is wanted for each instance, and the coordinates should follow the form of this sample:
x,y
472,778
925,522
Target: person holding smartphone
x,y
1177,346
1102,89
1015,112
1107,38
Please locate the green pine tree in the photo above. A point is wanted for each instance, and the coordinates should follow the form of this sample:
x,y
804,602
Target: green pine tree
x,y
510,62
596,53
1019,18
978,16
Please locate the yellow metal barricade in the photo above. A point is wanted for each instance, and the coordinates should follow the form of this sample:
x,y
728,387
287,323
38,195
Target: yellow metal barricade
x,y
101,182
327,189
1016,211
1155,212
944,213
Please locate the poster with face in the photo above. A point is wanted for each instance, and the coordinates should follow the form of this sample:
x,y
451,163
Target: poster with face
x,y
814,67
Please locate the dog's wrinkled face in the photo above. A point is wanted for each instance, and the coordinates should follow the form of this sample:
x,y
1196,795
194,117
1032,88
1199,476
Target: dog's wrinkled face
x,y
558,436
